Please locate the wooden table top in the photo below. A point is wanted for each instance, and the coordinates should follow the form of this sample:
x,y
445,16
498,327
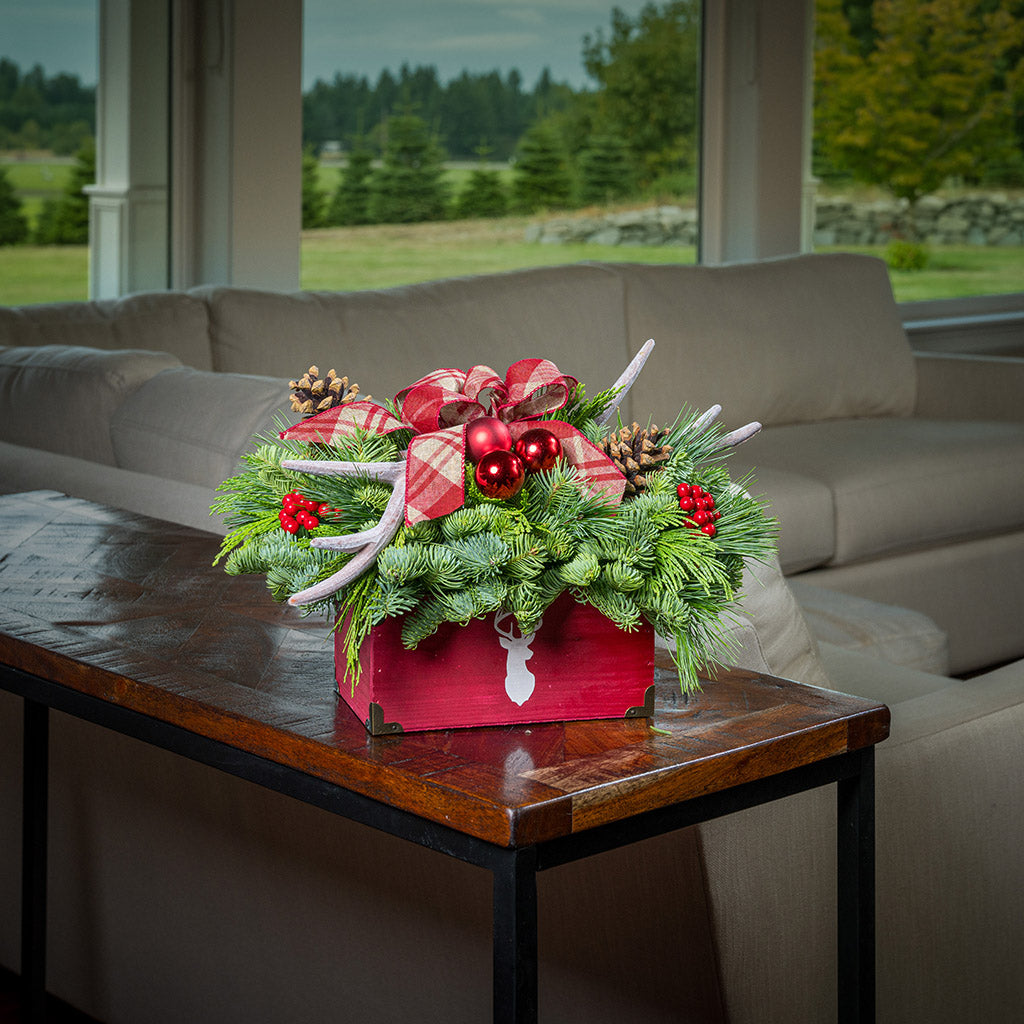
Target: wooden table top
x,y
130,610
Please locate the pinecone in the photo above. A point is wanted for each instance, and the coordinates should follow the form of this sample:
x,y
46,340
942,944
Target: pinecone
x,y
637,451
312,393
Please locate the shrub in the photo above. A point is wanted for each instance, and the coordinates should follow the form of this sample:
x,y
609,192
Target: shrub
x,y
13,225
902,255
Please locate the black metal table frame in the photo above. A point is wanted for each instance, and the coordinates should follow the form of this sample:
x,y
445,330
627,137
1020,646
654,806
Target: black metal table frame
x,y
514,869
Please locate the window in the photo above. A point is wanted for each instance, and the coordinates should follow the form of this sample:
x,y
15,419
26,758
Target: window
x,y
48,73
919,143
464,137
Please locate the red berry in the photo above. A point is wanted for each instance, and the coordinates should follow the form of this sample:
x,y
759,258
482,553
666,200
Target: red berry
x,y
686,503
322,508
716,515
702,503
683,490
289,525
701,516
311,522
708,529
709,498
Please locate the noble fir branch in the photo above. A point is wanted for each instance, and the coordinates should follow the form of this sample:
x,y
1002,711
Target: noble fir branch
x,y
481,555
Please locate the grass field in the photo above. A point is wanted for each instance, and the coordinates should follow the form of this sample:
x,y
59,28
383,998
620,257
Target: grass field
x,y
350,259
381,256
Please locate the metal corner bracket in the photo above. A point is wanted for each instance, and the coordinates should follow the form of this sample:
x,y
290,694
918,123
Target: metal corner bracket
x,y
645,710
376,726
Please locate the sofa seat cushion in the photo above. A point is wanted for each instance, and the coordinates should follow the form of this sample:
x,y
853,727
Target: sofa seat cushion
x,y
384,340
173,322
780,341
193,426
801,506
61,398
899,636
899,484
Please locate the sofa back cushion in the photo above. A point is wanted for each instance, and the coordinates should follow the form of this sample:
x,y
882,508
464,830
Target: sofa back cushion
x,y
172,322
61,398
384,340
192,425
790,340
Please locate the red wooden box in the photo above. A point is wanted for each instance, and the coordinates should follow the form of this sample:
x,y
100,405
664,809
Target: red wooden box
x,y
577,665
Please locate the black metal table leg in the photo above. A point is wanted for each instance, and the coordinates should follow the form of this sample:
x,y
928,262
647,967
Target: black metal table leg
x,y
515,937
33,864
856,864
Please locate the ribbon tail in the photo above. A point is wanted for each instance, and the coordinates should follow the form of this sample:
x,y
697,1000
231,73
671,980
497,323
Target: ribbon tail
x,y
597,472
435,474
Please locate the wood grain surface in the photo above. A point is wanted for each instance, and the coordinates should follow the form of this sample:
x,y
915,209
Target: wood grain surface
x,y
131,610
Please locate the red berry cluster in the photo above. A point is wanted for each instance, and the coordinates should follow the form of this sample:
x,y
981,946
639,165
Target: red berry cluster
x,y
299,512
701,504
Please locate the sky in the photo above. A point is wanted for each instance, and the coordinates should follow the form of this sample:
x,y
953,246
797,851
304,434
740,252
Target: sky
x,y
354,36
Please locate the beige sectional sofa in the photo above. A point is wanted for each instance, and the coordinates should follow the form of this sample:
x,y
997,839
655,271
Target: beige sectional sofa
x,y
898,481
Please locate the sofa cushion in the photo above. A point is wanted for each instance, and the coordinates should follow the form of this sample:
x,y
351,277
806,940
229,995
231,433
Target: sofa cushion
x,y
801,506
61,397
780,341
905,483
156,321
899,636
766,631
192,425
386,339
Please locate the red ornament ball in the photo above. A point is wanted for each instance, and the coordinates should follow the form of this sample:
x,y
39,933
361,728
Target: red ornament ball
x,y
500,474
484,435
538,449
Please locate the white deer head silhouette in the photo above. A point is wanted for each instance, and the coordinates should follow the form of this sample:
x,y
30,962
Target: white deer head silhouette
x,y
519,680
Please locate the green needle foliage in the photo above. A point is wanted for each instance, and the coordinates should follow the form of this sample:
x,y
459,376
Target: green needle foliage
x,y
641,560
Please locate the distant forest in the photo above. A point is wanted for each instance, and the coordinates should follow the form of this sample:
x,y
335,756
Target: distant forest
x,y
58,113
466,113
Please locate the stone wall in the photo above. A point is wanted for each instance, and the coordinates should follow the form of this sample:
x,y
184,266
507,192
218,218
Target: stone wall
x,y
993,219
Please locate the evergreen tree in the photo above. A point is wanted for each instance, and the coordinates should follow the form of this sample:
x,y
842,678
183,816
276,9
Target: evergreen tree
x,y
483,195
410,186
606,172
542,179
13,225
350,203
313,197
65,221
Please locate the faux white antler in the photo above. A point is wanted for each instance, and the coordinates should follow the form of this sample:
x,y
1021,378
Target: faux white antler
x,y
367,543
625,382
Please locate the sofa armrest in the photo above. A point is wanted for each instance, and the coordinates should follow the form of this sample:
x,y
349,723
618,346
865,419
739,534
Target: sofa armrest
x,y
952,386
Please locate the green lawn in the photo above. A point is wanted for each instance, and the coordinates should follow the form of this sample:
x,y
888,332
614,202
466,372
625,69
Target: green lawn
x,y
349,259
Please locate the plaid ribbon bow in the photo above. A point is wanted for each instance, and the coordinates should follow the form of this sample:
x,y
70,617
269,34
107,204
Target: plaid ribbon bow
x,y
438,407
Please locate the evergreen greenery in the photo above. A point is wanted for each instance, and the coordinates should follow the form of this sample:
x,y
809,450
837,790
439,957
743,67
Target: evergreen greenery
x,y
639,560
483,195
13,224
410,186
542,179
606,172
313,198
350,203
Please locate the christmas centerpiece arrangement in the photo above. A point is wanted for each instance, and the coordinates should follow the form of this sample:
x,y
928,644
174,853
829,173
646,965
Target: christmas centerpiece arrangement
x,y
493,549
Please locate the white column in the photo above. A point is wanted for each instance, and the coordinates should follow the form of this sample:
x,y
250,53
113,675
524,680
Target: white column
x,y
237,150
128,205
754,144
